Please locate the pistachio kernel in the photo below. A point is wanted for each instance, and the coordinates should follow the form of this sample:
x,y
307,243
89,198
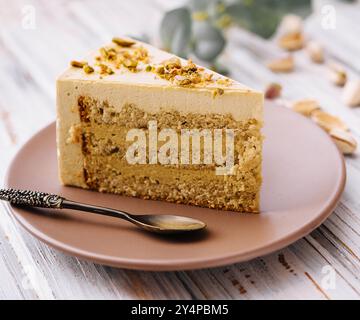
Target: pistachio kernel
x,y
218,92
78,64
123,42
88,69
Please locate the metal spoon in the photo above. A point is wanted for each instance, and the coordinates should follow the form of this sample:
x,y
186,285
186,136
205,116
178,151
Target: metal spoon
x,y
154,223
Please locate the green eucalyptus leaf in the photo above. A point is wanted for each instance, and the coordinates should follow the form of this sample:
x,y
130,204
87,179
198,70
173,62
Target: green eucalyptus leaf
x,y
200,5
259,20
180,41
175,29
263,16
209,41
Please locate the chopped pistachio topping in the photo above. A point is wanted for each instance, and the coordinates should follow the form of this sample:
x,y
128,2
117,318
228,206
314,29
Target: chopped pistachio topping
x,y
104,69
128,63
123,57
182,81
78,64
123,42
185,75
135,58
218,92
160,70
88,69
224,81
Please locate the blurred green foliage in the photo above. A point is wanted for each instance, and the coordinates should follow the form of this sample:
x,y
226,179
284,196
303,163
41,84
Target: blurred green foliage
x,y
198,27
263,16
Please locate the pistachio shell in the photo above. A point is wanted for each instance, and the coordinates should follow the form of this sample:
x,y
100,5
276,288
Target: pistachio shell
x,y
337,74
306,107
344,141
327,121
351,94
315,51
292,41
282,65
289,24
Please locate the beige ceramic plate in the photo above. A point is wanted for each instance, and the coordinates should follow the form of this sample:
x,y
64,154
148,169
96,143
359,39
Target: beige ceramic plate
x,y
304,176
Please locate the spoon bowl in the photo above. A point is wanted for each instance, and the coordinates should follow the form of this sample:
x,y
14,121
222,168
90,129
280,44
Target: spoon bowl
x,y
167,223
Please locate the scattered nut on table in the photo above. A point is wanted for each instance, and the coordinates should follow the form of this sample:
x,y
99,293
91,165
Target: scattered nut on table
x,y
273,91
290,23
351,93
315,51
327,121
337,74
289,34
344,141
282,65
334,126
305,107
292,41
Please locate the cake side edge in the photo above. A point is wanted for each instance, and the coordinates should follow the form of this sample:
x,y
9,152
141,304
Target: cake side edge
x,y
68,136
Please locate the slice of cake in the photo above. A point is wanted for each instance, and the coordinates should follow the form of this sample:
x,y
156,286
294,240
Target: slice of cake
x,y
137,121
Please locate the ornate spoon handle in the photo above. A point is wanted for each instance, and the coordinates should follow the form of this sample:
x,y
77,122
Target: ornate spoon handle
x,y
32,198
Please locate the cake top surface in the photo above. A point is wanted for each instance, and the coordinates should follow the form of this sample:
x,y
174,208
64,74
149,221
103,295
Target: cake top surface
x,y
128,61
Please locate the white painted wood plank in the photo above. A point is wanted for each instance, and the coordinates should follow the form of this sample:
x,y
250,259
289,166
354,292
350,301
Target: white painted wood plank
x,y
13,282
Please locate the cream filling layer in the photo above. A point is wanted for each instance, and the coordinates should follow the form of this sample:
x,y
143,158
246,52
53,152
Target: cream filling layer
x,y
242,105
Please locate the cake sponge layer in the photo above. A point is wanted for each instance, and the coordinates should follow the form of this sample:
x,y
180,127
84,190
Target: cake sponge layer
x,y
102,136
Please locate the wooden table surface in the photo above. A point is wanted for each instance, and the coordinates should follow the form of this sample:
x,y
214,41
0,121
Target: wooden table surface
x,y
32,55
